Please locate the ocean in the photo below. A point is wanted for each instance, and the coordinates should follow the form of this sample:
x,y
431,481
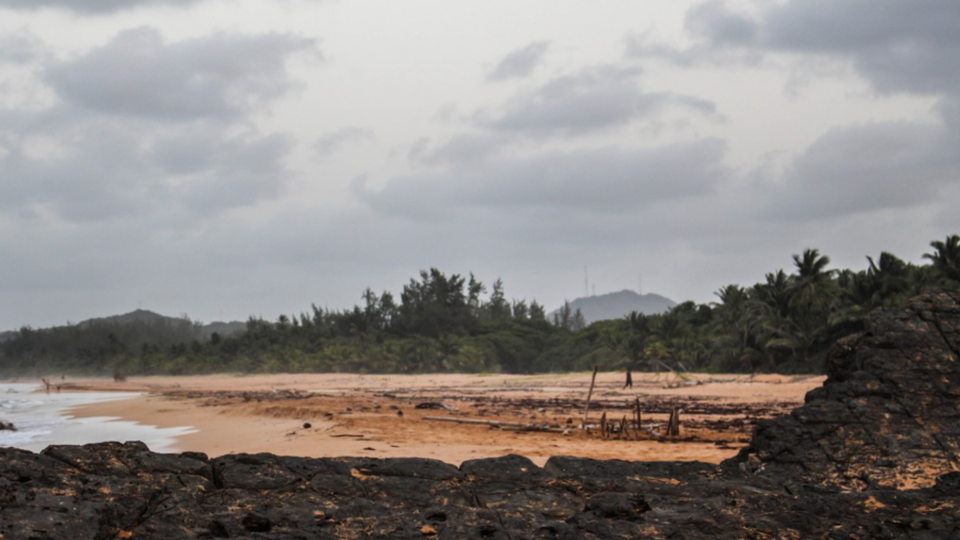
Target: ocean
x,y
43,419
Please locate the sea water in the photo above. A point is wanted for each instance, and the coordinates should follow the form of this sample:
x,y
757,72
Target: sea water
x,y
43,419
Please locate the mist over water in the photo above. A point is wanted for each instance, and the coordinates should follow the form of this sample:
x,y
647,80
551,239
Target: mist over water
x,y
43,419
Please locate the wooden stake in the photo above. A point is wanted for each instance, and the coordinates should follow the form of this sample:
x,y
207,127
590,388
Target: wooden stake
x,y
673,425
623,428
637,403
589,395
603,426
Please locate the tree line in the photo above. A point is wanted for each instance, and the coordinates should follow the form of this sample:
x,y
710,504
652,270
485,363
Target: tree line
x,y
452,323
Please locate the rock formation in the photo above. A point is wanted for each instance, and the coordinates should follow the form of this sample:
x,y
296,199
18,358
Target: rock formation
x,y
888,416
872,454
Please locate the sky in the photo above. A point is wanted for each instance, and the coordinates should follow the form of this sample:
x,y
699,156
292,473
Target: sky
x,y
223,159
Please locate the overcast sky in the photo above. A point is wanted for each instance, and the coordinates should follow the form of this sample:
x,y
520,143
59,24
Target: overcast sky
x,y
228,158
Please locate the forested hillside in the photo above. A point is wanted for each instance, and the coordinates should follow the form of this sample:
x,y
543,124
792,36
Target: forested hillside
x,y
617,305
446,323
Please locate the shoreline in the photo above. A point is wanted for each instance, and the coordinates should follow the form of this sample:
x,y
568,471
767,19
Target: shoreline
x,y
40,419
356,415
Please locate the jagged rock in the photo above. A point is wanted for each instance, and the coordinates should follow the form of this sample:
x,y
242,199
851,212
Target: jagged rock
x,y
7,426
872,454
888,415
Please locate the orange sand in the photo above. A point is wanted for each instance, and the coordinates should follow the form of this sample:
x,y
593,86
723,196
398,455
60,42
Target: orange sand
x,y
357,415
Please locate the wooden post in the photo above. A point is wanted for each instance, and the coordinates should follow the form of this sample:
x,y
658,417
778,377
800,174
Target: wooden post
x,y
673,425
637,403
589,395
603,425
624,432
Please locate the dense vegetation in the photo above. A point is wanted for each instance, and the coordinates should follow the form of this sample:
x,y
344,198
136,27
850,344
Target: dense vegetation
x,y
448,323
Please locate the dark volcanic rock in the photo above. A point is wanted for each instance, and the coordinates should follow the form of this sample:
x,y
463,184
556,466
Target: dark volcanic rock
x,y
888,415
872,454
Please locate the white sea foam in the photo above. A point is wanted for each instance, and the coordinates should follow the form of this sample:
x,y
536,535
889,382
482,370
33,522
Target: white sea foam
x,y
43,419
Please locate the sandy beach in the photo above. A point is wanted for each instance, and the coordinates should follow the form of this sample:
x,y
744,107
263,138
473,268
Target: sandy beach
x,y
322,415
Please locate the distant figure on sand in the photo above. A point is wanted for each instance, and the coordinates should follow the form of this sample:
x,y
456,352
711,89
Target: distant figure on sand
x,y
629,380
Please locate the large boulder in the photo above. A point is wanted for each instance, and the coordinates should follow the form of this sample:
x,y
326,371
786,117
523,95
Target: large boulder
x,y
888,415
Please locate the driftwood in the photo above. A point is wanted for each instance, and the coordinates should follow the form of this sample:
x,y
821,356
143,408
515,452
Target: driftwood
x,y
515,426
435,405
586,409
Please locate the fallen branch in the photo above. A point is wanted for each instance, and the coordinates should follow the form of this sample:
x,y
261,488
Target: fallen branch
x,y
435,405
516,426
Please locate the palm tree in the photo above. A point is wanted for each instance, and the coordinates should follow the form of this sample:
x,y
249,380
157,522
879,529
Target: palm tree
x,y
639,330
776,293
860,292
946,257
813,282
890,274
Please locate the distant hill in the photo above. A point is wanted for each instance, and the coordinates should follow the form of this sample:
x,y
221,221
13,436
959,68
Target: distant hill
x,y
150,318
619,304
6,335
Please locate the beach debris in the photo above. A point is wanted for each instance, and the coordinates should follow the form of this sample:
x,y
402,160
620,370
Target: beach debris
x,y
399,412
586,408
639,416
435,405
673,424
499,424
307,425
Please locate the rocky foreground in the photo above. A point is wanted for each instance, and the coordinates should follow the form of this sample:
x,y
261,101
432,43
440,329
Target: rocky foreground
x,y
874,453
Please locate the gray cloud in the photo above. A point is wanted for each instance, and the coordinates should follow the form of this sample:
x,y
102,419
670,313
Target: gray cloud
x,y
331,142
138,74
714,22
600,181
520,63
898,46
869,167
461,150
21,47
590,100
92,7
150,129
106,170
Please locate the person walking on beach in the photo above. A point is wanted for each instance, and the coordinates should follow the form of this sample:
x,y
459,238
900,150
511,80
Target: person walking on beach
x,y
629,380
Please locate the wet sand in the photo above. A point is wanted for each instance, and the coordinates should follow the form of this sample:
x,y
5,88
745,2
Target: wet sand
x,y
378,415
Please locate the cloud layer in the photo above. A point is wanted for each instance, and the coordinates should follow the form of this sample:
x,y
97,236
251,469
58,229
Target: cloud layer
x,y
147,127
217,169
92,7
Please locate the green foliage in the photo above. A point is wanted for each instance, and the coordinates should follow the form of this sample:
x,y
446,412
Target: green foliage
x,y
444,324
